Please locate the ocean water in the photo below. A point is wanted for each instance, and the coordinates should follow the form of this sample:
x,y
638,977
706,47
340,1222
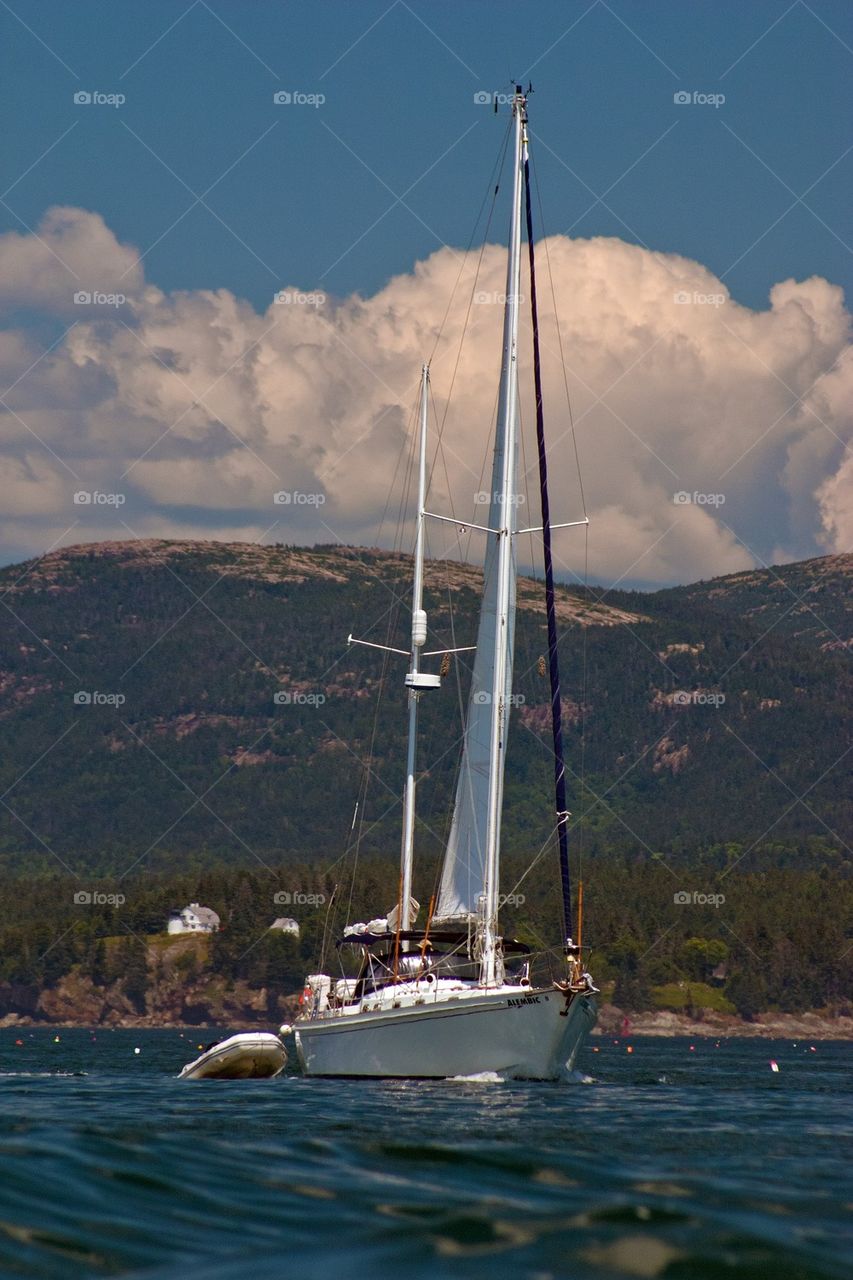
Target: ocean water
x,y
662,1162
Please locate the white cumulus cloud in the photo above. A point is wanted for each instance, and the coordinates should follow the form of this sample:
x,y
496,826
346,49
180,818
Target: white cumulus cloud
x,y
197,409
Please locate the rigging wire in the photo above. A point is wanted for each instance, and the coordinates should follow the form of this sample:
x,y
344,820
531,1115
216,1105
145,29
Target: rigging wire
x,y
584,799
496,169
406,462
439,452
562,812
392,623
406,487
544,241
584,796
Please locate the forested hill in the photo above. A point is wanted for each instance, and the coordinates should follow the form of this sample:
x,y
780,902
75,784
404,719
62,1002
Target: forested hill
x,y
176,704
812,599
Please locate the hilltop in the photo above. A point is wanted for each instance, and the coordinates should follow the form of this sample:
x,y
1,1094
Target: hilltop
x,y
183,721
138,676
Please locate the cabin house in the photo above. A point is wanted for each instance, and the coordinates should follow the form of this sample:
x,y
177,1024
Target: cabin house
x,y
284,924
194,919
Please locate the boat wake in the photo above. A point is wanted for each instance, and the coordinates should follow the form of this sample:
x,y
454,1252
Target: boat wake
x,y
479,1077
576,1077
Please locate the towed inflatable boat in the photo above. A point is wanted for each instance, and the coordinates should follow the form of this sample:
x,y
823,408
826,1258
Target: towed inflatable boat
x,y
251,1055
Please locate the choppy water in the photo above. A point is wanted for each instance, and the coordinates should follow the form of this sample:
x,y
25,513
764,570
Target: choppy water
x,y
668,1163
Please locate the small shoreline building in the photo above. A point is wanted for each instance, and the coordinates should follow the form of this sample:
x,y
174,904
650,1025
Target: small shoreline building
x,y
194,919
284,924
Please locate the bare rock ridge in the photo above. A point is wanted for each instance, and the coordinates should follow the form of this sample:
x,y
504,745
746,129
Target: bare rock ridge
x,y
280,564
132,670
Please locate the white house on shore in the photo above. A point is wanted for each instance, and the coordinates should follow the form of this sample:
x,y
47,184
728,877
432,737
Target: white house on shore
x,y
194,919
284,924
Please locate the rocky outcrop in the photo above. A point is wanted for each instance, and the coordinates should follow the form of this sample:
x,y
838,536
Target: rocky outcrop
x,y
76,1001
180,991
613,1021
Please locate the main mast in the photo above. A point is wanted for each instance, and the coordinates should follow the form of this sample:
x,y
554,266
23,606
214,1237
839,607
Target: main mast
x,y
503,520
415,679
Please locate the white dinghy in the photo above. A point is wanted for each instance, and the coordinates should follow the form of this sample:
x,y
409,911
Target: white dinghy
x,y
250,1055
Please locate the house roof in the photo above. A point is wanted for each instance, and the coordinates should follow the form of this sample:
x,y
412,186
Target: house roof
x,y
204,914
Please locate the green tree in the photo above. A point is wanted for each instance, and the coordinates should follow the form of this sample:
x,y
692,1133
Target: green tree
x,y
631,990
135,966
699,957
747,991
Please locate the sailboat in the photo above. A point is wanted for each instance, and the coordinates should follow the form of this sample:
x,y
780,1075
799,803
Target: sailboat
x,y
457,998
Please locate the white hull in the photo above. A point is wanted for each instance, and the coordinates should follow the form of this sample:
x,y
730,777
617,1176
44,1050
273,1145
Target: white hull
x,y
524,1035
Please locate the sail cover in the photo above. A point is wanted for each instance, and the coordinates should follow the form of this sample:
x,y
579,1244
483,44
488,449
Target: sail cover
x,y
464,867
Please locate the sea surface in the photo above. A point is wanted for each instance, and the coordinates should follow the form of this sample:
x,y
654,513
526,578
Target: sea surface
x,y
679,1159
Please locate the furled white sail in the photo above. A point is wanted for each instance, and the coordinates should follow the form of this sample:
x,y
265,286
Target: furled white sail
x,y
469,879
464,869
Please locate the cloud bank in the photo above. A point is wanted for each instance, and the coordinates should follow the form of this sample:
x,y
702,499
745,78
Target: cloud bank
x,y
711,437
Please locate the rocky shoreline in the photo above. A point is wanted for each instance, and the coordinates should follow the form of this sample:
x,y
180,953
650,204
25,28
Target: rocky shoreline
x,y
170,1001
243,1008
810,1025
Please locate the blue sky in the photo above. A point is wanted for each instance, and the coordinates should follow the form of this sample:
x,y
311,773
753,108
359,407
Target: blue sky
x,y
399,83
680,147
